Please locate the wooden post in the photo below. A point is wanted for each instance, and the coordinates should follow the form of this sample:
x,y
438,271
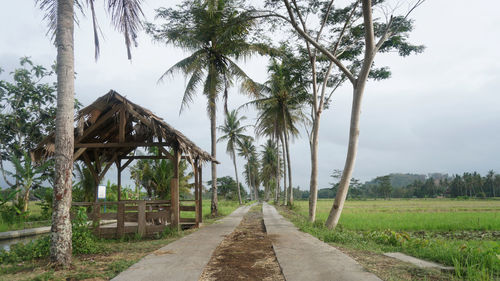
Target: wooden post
x,y
119,168
96,218
200,193
141,218
196,193
174,189
120,219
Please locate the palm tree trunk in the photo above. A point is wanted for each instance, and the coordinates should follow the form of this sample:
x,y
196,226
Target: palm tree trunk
x,y
60,246
214,205
290,186
277,191
236,175
285,164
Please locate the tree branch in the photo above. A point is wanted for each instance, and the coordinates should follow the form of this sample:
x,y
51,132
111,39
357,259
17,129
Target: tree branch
x,y
306,36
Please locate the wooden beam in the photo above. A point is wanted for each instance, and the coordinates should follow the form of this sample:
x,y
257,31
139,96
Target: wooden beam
x,y
140,117
145,157
174,189
96,125
94,173
115,144
200,194
196,190
101,176
123,122
78,153
118,167
126,164
97,161
168,154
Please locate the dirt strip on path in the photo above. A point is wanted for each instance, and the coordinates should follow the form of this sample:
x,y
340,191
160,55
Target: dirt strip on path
x,y
246,254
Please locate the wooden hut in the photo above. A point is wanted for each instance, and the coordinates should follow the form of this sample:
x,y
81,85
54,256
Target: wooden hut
x,y
108,132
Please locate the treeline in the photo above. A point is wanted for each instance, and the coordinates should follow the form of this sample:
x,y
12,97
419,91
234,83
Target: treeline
x,y
467,185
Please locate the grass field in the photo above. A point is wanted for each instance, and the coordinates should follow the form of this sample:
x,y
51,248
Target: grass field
x,y
464,234
413,215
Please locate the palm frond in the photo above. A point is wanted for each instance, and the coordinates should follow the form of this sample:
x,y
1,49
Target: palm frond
x,y
126,17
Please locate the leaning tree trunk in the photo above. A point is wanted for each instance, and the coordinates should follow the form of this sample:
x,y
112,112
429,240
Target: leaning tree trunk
x,y
352,149
236,175
285,164
214,205
313,183
60,246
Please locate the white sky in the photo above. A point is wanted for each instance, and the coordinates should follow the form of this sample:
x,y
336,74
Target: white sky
x,y
440,111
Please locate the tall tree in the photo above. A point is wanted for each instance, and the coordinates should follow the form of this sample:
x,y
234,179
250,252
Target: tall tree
x,y
234,135
376,36
217,34
27,113
269,160
126,18
279,108
247,151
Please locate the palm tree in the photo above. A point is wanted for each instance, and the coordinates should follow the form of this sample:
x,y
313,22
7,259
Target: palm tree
x,y
247,151
233,134
126,17
216,33
269,161
280,109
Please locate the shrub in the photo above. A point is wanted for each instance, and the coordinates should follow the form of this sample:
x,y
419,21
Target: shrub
x,y
84,242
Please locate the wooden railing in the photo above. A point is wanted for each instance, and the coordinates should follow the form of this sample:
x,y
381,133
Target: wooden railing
x,y
144,217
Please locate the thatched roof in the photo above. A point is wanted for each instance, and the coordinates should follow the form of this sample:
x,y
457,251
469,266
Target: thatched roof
x,y
113,127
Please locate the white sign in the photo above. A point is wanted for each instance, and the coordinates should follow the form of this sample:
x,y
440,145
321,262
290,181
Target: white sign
x,y
101,192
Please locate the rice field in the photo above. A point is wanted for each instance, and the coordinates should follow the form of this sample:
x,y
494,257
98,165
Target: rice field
x,y
413,215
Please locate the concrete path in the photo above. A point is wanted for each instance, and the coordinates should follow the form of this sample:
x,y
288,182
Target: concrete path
x,y
24,232
185,258
304,257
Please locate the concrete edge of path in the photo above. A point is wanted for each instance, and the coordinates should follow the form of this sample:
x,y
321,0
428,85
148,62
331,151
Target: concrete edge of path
x,y
186,258
420,263
24,232
34,231
304,257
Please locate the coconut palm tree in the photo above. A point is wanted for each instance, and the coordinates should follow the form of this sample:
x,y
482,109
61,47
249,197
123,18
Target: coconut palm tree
x,y
269,161
247,151
126,18
233,134
279,109
216,33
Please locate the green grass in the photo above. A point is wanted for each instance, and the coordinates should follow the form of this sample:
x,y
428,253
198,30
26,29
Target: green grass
x,y
225,208
412,215
34,219
421,228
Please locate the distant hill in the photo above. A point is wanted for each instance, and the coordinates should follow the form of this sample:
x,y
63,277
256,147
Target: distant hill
x,y
402,180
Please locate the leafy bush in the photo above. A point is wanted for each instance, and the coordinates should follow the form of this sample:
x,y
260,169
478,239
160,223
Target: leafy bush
x,y
35,249
84,242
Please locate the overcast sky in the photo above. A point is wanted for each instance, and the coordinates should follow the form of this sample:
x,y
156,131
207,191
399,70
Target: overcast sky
x,y
439,112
